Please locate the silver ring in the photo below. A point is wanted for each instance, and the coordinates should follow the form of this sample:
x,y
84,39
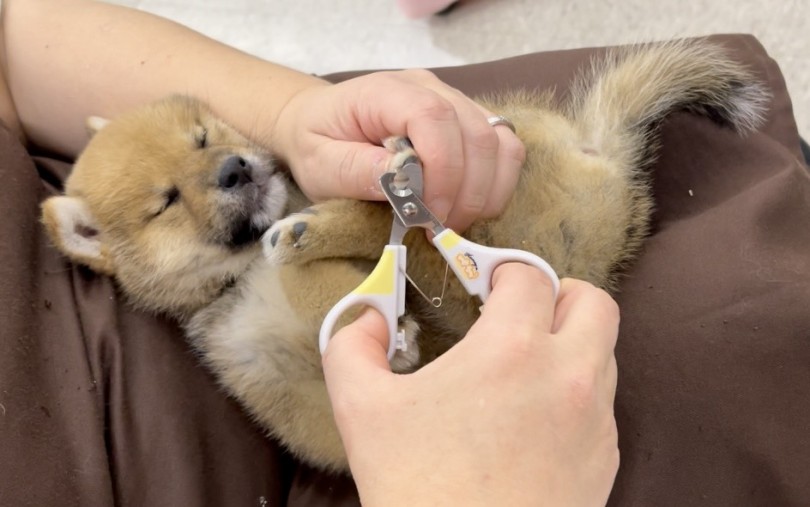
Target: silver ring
x,y
502,120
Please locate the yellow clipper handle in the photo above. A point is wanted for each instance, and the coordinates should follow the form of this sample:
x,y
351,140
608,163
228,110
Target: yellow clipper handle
x,y
474,264
383,290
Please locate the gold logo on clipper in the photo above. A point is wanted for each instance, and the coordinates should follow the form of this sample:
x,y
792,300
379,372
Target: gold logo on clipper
x,y
467,265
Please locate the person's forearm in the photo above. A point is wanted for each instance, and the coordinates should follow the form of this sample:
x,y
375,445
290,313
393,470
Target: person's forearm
x,y
69,59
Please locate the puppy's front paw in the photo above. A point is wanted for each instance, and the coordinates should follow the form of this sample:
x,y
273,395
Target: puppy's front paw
x,y
289,240
340,228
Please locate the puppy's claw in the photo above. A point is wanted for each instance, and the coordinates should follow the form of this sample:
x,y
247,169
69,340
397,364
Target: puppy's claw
x,y
274,238
298,230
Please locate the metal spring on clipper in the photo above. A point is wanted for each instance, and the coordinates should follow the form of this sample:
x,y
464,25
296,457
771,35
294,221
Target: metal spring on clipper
x,y
435,301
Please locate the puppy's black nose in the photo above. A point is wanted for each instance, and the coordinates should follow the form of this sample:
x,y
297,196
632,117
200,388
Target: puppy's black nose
x,y
234,173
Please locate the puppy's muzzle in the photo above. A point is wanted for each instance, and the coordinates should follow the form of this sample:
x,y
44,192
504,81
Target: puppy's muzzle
x,y
246,184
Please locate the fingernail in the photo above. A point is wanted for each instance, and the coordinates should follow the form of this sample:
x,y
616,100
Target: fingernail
x,y
440,208
378,167
375,193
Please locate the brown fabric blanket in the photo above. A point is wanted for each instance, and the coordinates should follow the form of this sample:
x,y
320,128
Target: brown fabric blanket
x,y
101,405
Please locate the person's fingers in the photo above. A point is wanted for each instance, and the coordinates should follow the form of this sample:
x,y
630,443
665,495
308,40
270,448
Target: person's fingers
x,y
611,377
458,148
588,318
354,366
470,167
510,160
480,152
522,299
397,103
570,289
358,168
361,164
493,157
356,355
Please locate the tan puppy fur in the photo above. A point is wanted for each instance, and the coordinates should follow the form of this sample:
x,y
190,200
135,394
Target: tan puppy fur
x,y
144,204
158,202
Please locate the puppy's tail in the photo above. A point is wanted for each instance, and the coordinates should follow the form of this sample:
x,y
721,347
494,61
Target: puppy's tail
x,y
628,93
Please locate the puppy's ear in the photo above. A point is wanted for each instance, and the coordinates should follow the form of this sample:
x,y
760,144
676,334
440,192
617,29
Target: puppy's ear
x,y
73,230
95,123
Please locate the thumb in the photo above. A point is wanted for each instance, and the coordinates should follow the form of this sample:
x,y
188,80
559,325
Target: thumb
x,y
357,354
356,177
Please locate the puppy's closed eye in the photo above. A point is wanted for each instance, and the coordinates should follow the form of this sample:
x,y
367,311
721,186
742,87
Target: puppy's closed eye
x,y
170,197
202,138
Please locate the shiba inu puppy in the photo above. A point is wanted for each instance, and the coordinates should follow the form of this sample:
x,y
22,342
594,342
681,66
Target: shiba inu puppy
x,y
178,208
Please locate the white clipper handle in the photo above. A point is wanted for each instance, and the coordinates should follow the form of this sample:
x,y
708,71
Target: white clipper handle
x,y
474,264
383,290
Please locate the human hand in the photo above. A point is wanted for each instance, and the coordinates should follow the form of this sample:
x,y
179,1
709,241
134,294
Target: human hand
x,y
331,137
519,412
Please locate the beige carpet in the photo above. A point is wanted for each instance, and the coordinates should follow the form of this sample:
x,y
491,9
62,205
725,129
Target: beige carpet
x,y
322,36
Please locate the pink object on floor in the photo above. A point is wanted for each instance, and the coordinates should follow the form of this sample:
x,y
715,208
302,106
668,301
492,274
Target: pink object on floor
x,y
421,8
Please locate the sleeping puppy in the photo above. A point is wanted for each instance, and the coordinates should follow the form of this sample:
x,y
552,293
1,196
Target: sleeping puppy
x,y
178,207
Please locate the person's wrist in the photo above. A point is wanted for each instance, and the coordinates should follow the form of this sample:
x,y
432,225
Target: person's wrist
x,y
284,129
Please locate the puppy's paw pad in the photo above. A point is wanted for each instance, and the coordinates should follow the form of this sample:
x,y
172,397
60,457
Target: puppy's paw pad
x,y
403,151
287,237
397,143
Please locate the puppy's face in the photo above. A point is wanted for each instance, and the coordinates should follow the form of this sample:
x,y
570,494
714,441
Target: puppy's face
x,y
169,200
